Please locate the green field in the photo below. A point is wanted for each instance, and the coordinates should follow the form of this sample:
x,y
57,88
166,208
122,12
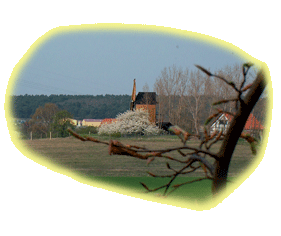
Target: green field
x,y
199,191
92,161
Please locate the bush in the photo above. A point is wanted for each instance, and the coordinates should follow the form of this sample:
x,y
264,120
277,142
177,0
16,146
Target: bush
x,y
86,130
130,122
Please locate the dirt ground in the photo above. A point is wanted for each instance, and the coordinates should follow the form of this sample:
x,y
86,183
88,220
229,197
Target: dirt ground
x,y
92,159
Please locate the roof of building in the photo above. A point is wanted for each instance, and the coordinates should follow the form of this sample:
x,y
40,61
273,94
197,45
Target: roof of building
x,y
252,123
108,120
92,120
146,98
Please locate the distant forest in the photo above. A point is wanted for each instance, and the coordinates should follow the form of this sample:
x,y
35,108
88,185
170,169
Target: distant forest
x,y
80,106
99,106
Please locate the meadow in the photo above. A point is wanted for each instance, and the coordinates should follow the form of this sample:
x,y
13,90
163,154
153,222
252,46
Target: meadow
x,y
92,161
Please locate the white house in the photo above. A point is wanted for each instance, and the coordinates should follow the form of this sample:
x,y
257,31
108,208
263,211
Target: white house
x,y
222,123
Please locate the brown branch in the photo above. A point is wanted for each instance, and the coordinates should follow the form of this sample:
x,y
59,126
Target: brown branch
x,y
117,148
251,140
209,166
182,134
219,137
245,70
219,77
190,171
152,190
229,83
184,148
225,101
173,176
188,182
192,159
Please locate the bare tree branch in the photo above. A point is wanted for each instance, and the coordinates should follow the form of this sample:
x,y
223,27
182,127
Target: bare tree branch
x,y
204,161
194,156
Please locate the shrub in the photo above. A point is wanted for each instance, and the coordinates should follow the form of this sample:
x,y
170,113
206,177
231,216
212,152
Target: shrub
x,y
130,122
86,130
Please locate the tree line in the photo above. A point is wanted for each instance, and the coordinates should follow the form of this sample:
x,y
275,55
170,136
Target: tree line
x,y
186,97
80,106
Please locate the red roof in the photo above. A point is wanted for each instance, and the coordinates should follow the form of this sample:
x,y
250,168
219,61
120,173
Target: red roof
x,y
108,121
251,123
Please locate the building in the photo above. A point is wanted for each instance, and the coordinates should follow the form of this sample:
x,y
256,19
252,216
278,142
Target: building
x,y
108,121
73,121
222,123
91,122
147,101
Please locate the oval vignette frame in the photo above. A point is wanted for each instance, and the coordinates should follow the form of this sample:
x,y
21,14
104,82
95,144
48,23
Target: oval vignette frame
x,y
126,33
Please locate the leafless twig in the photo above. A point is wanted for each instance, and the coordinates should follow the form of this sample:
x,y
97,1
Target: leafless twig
x,y
194,155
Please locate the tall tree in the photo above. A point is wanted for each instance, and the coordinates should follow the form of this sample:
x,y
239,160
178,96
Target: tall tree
x,y
158,88
169,86
194,100
42,118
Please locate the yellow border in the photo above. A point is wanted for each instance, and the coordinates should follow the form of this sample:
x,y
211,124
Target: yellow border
x,y
40,199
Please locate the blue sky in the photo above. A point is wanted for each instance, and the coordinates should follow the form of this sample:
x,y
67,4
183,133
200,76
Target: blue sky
x,y
104,62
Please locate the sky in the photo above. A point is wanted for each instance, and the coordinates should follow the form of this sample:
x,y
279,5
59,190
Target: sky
x,y
106,62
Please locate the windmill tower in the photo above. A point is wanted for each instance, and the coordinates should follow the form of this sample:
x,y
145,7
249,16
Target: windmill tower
x,y
133,98
144,100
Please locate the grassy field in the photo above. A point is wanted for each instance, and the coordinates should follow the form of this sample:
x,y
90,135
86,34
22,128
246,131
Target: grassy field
x,y
92,160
